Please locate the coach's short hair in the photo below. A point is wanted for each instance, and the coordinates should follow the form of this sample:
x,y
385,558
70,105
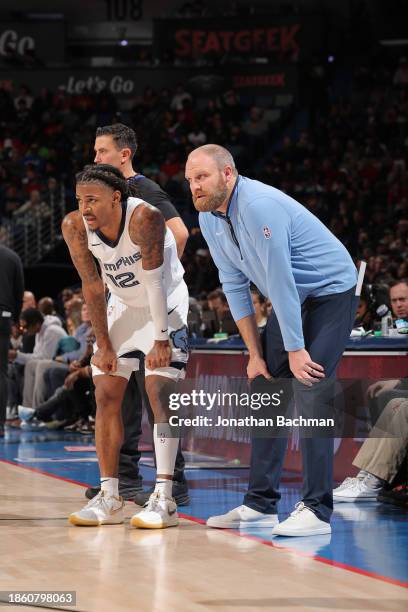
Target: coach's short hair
x,y
219,154
123,136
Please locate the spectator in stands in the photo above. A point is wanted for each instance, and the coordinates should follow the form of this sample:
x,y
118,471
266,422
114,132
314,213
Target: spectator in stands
x,y
46,306
399,299
71,403
81,336
48,331
201,274
197,136
33,207
256,129
29,300
51,373
16,370
259,302
16,337
364,316
66,295
218,303
382,454
73,309
180,96
53,191
236,143
24,95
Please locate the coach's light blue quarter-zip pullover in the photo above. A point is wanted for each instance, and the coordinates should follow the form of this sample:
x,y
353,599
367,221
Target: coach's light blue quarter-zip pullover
x,y
270,239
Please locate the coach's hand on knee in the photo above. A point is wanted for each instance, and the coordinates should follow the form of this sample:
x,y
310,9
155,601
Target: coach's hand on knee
x,y
159,356
303,368
105,359
257,367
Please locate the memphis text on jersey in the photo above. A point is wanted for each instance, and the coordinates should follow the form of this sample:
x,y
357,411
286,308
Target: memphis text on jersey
x,y
125,279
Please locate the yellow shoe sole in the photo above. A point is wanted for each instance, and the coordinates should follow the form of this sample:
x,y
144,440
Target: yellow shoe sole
x,y
79,522
75,520
135,521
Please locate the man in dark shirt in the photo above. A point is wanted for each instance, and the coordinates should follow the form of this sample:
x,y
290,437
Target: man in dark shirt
x,y
116,145
11,299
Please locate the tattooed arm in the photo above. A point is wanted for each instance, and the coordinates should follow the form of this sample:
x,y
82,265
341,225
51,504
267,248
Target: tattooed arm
x,y
147,229
75,236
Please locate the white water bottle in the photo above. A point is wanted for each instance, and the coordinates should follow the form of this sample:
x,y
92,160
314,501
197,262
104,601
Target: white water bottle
x,y
386,319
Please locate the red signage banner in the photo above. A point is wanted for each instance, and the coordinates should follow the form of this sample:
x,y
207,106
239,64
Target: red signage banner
x,y
272,37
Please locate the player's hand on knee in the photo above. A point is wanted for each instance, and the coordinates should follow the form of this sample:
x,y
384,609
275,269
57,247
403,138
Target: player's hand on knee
x,y
257,367
304,369
159,356
106,360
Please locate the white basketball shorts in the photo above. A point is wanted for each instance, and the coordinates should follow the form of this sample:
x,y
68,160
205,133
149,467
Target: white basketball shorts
x,y
132,335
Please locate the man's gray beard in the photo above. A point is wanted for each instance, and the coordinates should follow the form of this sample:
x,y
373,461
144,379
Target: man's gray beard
x,y
213,202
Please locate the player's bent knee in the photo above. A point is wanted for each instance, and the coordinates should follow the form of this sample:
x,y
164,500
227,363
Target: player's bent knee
x,y
109,393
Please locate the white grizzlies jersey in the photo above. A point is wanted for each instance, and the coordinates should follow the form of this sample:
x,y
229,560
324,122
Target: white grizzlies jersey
x,y
121,261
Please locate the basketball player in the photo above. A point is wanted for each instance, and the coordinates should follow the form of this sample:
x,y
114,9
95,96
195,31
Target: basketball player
x,y
116,145
146,315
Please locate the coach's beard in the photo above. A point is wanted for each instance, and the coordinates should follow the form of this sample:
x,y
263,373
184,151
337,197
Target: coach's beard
x,y
208,203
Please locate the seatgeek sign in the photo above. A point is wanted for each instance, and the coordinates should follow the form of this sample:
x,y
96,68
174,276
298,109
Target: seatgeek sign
x,y
268,36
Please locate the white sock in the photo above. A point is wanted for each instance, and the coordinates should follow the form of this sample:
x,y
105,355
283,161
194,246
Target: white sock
x,y
166,451
164,487
110,486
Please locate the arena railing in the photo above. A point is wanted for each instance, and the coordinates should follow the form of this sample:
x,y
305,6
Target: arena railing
x,y
37,231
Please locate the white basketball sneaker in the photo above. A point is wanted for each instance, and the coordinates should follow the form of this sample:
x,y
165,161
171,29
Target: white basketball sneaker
x,y
243,517
159,513
358,490
302,522
101,510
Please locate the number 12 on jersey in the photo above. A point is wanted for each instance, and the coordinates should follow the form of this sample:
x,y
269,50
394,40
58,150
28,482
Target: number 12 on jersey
x,y
124,280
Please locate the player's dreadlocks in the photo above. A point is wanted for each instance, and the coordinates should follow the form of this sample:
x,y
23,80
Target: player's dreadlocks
x,y
105,174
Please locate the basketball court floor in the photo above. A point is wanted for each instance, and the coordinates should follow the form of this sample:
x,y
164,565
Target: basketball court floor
x,y
363,565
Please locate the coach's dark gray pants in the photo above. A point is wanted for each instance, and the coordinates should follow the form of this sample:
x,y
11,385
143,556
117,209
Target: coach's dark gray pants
x,y
327,323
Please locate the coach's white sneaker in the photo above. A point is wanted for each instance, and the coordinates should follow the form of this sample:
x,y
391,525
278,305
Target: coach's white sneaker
x,y
358,489
243,517
159,513
101,510
302,522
